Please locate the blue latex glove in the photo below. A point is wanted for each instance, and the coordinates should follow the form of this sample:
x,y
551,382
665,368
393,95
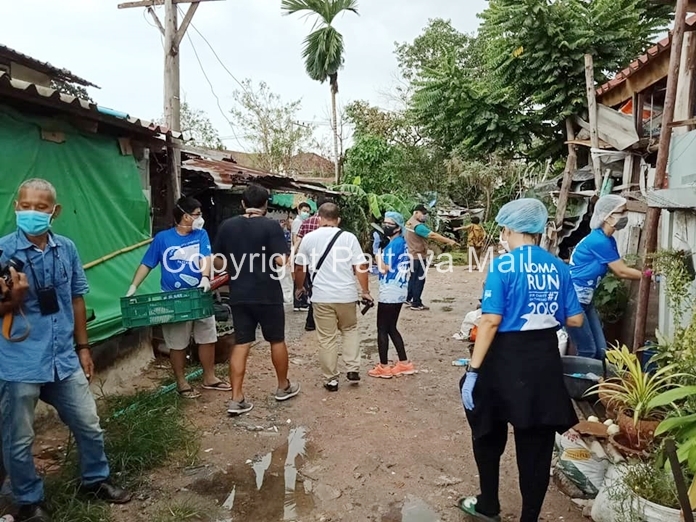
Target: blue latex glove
x,y
468,390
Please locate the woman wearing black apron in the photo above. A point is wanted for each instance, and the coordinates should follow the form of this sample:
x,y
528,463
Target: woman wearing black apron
x,y
515,374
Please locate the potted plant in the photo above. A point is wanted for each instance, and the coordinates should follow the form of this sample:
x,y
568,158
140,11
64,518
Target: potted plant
x,y
611,301
633,394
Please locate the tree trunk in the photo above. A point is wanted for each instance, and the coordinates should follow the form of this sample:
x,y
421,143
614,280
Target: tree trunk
x,y
334,124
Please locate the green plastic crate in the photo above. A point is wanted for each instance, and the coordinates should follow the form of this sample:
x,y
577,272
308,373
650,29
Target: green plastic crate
x,y
167,307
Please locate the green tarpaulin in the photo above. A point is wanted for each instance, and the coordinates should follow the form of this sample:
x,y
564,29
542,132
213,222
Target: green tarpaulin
x,y
103,206
290,201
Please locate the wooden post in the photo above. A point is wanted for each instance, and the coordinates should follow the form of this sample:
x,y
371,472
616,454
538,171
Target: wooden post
x,y
592,110
652,218
172,76
682,493
686,87
570,168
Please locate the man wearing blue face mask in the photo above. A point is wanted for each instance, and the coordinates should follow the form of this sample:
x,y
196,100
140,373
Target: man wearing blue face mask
x,y
45,353
185,255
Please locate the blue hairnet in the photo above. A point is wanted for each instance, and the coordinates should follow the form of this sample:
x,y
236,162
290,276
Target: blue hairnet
x,y
605,206
527,215
396,218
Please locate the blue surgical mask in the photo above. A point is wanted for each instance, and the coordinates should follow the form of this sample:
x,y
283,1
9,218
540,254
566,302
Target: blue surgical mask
x,y
304,215
33,222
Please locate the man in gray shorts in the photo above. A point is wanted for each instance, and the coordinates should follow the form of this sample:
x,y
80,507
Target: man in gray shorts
x,y
185,255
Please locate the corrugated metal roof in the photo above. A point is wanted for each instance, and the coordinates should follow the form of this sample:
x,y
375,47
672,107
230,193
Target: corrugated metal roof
x,y
636,65
43,67
227,174
19,88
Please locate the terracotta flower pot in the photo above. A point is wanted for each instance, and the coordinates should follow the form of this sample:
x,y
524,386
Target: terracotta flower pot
x,y
639,436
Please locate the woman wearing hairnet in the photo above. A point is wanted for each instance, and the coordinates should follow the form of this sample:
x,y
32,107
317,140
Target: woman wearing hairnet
x,y
515,374
589,263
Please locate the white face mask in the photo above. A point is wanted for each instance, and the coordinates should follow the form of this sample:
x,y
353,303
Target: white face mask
x,y
504,244
198,223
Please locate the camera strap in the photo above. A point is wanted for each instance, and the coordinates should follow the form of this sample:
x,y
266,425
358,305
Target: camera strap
x,y
7,321
323,256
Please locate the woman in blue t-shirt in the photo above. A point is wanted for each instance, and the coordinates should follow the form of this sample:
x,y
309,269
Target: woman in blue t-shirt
x,y
394,267
515,374
589,263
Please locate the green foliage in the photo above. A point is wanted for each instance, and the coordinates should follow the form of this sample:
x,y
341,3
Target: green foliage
x,y
611,299
198,127
270,125
323,49
71,89
536,48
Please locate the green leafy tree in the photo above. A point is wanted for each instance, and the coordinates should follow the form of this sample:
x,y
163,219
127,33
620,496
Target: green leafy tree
x,y
71,89
197,126
324,50
270,125
536,48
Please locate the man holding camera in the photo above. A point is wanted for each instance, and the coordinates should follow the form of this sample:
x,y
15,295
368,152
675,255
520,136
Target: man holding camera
x,y
45,353
334,259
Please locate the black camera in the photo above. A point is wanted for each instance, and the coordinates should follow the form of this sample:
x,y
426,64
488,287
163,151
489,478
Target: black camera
x,y
367,304
15,263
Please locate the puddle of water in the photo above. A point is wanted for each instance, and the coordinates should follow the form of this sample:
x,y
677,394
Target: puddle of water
x,y
412,509
267,488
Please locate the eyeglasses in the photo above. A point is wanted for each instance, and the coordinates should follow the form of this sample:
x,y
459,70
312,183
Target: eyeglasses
x,y
196,215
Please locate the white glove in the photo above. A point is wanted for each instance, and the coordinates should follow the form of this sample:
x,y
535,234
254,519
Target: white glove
x,y
131,290
205,284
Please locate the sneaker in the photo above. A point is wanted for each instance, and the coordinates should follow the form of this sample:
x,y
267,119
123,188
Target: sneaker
x,y
403,368
420,308
332,385
353,377
239,407
287,393
380,371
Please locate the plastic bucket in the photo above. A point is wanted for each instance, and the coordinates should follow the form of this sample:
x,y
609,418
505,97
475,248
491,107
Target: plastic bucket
x,y
578,386
645,360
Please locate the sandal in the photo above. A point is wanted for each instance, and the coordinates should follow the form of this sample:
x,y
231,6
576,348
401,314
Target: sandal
x,y
218,386
188,393
468,506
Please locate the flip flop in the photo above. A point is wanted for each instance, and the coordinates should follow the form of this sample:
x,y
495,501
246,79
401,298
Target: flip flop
x,y
468,506
188,393
218,386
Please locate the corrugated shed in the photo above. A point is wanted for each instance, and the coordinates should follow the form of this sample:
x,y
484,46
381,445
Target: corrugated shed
x,y
56,73
46,96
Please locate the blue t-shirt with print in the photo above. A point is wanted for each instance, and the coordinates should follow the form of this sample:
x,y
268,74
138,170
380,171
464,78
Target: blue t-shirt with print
x,y
590,261
179,256
393,286
531,289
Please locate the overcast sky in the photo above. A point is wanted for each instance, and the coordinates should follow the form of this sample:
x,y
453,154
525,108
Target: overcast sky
x,y
121,51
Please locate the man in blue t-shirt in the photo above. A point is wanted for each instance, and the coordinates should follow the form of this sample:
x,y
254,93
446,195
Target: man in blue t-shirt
x,y
185,255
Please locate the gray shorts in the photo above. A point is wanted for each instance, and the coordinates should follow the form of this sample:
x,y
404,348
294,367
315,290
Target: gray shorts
x,y
177,336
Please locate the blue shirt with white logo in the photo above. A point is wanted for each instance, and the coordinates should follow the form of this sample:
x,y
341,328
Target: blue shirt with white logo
x,y
531,289
393,286
590,261
180,257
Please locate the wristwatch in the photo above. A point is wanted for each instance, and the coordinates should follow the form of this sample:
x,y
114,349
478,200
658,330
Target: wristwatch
x,y
470,369
81,347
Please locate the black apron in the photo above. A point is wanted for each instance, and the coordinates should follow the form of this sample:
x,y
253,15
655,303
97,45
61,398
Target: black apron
x,y
521,382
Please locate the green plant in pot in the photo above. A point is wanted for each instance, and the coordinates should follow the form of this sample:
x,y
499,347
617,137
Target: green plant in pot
x,y
633,393
611,299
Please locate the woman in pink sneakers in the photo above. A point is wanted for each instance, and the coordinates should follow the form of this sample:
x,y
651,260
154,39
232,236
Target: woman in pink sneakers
x,y
394,267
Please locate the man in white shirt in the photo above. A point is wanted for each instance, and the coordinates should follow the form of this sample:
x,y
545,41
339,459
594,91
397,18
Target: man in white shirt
x,y
334,292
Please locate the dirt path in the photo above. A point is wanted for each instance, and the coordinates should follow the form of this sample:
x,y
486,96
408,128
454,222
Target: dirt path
x,y
386,450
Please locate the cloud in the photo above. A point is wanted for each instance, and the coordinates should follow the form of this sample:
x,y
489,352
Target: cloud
x,y
121,50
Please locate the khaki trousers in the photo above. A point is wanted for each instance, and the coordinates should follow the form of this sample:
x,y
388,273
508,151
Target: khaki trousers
x,y
330,319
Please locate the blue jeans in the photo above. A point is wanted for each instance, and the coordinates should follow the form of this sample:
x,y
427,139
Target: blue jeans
x,y
75,405
416,283
589,339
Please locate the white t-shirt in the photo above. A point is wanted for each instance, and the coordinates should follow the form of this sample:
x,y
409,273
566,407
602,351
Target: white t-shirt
x,y
335,282
296,224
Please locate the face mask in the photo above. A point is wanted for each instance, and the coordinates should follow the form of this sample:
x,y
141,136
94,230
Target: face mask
x,y
504,244
198,223
621,223
304,215
33,222
389,230
423,219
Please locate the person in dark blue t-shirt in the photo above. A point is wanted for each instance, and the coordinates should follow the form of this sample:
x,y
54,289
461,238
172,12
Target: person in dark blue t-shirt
x,y
589,263
515,374
185,255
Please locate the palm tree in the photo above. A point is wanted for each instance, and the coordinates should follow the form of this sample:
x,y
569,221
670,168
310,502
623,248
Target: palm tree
x,y
323,48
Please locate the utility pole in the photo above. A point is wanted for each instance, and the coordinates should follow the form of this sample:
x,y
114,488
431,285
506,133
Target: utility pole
x,y
173,34
652,217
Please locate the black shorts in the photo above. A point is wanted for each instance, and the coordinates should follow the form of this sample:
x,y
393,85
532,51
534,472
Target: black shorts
x,y
246,318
